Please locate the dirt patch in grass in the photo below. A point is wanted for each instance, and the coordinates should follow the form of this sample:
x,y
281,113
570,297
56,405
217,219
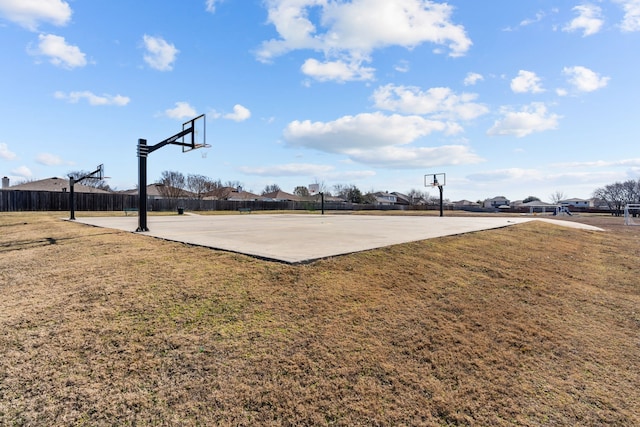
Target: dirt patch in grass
x,y
528,325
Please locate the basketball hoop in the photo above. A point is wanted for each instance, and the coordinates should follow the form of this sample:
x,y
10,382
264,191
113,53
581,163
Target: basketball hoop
x,y
436,180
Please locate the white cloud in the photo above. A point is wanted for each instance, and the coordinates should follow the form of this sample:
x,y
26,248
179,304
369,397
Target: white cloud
x,y
381,140
416,157
473,78
211,5
539,17
589,20
532,118
440,102
5,153
30,13
351,31
510,174
402,66
601,163
291,169
364,131
160,54
631,20
48,159
526,82
584,79
59,52
92,99
336,70
537,178
343,175
22,171
182,110
239,114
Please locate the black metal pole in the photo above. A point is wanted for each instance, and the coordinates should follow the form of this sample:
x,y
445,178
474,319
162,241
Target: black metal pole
x,y
322,202
142,185
72,199
441,203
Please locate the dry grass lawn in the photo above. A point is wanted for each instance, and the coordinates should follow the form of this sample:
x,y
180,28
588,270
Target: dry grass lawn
x,y
529,325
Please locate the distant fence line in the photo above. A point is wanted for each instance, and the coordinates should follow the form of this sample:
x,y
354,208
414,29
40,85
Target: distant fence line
x,y
19,200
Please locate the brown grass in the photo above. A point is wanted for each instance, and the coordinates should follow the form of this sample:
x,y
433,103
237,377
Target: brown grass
x,y
528,325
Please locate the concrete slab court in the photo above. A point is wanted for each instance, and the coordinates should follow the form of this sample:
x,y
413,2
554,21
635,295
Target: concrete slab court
x,y
295,238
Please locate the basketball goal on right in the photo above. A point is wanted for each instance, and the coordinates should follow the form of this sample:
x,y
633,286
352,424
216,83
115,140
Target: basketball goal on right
x,y
631,211
436,180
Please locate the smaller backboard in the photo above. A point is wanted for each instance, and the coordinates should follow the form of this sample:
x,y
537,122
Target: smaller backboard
x,y
314,189
435,180
197,138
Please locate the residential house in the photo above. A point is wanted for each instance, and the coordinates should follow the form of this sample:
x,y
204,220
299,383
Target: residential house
x,y
496,202
384,198
239,195
465,204
538,206
576,203
54,184
160,191
280,196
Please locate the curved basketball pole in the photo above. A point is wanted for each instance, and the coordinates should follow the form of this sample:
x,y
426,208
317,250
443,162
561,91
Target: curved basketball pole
x,y
435,182
188,128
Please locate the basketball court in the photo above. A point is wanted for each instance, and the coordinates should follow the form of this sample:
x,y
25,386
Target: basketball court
x,y
300,238
291,238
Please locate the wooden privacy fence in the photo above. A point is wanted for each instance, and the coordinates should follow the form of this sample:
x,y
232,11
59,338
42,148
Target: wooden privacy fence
x,y
18,200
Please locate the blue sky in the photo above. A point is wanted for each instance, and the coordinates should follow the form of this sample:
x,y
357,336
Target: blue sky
x,y
512,98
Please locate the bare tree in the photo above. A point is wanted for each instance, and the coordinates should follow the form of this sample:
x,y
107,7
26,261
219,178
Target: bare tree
x,y
322,187
272,188
172,184
417,197
89,182
199,185
557,197
614,196
234,184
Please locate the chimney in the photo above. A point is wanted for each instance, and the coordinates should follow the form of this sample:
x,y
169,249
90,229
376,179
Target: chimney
x,y
5,182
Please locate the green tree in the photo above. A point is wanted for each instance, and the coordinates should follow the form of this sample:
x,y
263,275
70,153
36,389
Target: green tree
x,y
350,193
301,191
531,199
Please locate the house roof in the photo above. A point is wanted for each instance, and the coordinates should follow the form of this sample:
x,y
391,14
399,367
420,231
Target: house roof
x,y
242,195
573,200
330,199
56,184
537,203
281,195
156,190
465,203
